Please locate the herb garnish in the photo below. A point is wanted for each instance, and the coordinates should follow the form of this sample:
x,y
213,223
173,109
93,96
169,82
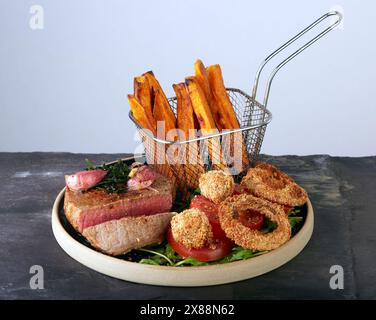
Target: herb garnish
x,y
116,178
268,225
180,203
295,218
89,165
164,255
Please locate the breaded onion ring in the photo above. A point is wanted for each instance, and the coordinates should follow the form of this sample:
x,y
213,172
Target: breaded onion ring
x,y
253,239
267,182
216,185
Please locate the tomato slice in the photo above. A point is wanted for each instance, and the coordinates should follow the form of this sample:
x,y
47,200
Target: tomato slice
x,y
252,219
239,189
222,247
286,208
211,210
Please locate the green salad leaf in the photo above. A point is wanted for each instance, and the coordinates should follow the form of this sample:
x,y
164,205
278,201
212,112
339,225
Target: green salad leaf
x,y
180,203
239,253
116,178
295,216
191,262
164,255
295,211
158,255
161,254
294,221
89,165
154,261
268,225
171,254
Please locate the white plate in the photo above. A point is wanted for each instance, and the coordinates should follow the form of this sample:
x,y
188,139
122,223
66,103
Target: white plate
x,y
180,276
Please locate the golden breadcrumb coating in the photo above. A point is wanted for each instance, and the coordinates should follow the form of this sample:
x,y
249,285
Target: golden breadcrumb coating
x,y
216,185
191,228
246,237
267,182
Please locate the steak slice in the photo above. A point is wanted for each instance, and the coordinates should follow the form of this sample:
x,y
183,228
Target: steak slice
x,y
87,209
117,237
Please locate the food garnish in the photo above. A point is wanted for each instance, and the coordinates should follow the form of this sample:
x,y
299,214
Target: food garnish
x,y
140,178
165,255
84,180
116,178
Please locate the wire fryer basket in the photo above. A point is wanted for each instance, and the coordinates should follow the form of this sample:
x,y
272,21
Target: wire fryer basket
x,y
185,160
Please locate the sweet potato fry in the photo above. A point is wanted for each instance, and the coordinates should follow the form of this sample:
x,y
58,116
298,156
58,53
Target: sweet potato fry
x,y
184,110
186,121
161,109
200,105
203,80
162,112
154,85
226,111
143,93
143,118
205,119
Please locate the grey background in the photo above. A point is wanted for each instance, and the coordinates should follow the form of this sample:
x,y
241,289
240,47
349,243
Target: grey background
x,y
63,88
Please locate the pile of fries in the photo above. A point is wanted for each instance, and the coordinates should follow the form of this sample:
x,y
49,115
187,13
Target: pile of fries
x,y
203,108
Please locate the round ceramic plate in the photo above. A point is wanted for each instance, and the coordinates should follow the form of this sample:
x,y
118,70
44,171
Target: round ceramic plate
x,y
74,245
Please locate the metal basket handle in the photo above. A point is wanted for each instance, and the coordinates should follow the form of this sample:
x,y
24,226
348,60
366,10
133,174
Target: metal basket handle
x,y
293,55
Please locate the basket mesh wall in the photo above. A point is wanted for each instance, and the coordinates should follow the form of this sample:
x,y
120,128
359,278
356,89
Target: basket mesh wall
x,y
185,162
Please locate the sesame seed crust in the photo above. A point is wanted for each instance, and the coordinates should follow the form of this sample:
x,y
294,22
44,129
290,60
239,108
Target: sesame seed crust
x,y
216,185
191,228
254,239
267,182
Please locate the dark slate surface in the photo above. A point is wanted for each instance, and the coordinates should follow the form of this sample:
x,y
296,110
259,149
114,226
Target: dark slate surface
x,y
342,191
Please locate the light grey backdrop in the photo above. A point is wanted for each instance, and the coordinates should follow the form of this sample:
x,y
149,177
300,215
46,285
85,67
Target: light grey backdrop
x,y
63,88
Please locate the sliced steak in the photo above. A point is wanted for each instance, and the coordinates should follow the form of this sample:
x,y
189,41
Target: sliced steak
x,y
87,209
117,237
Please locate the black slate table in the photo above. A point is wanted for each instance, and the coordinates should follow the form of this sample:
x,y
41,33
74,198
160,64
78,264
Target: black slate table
x,y
342,191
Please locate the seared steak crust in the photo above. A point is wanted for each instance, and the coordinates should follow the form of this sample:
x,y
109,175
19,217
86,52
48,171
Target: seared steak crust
x,y
87,209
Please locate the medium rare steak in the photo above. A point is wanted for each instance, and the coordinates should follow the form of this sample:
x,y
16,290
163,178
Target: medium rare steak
x,y
117,237
87,209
